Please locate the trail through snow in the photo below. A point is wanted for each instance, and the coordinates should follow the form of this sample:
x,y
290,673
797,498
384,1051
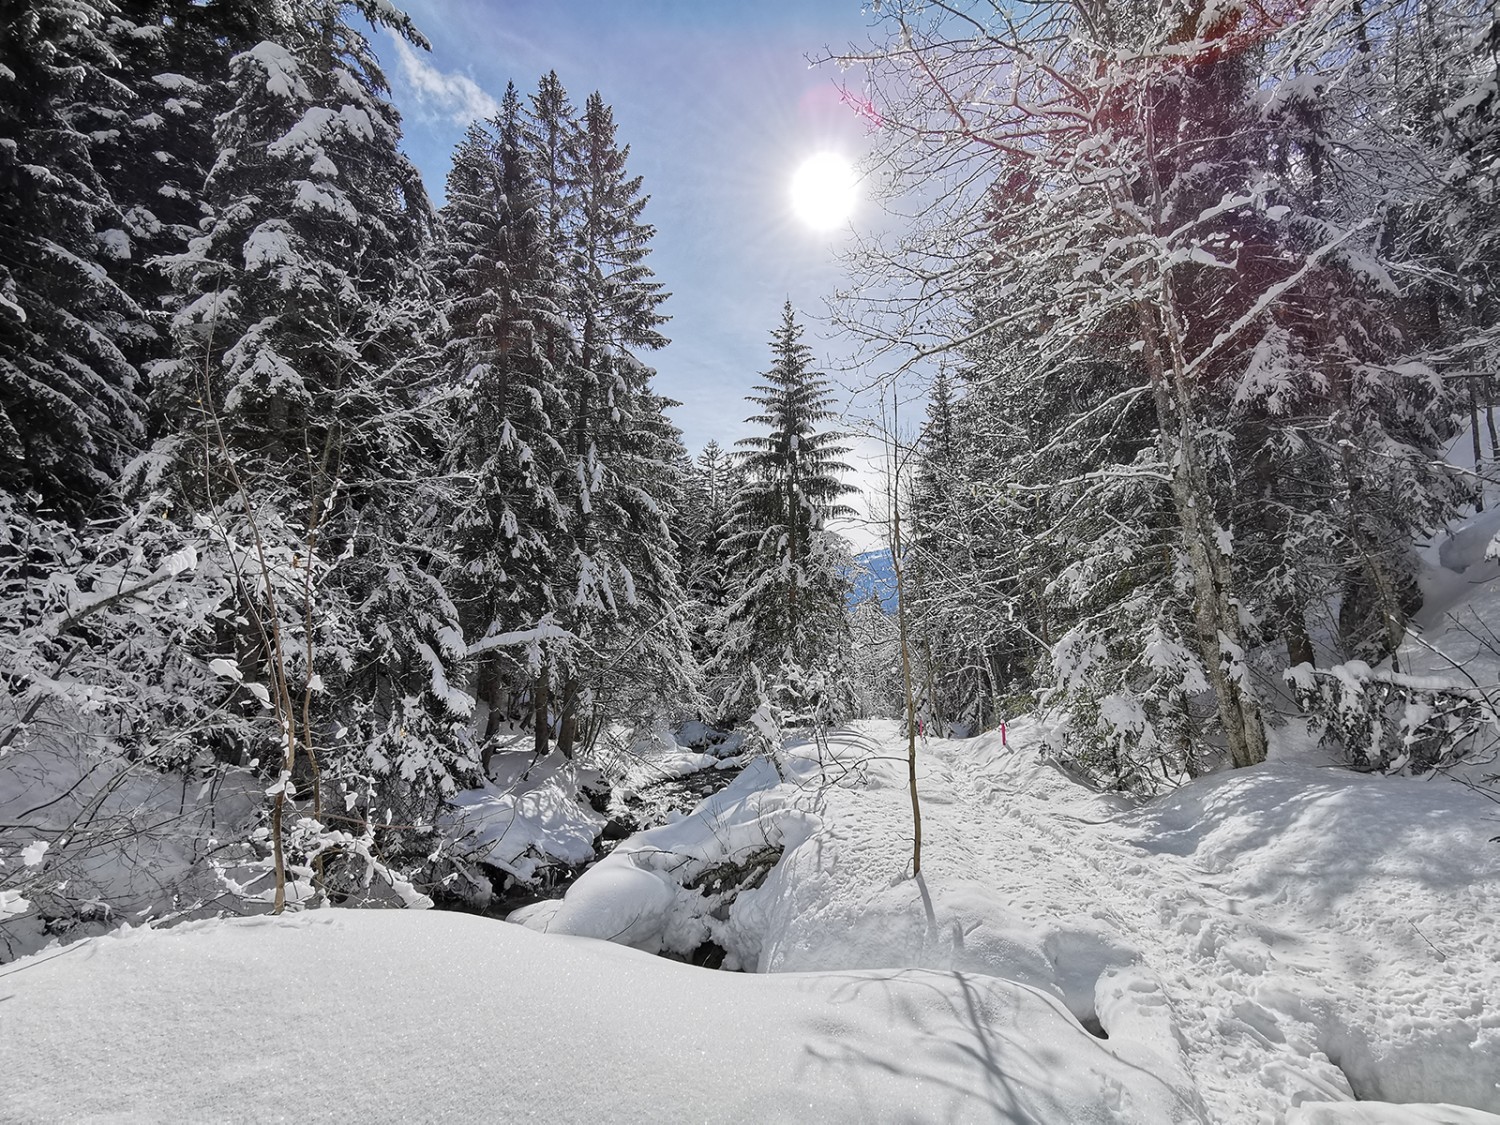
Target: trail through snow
x,y
1267,941
1287,944
1266,938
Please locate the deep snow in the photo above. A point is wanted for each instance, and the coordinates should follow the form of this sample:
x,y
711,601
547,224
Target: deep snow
x,y
1261,946
342,1015
1263,939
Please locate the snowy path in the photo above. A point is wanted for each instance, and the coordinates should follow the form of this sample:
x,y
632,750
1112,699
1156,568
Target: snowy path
x,y
1246,938
1259,947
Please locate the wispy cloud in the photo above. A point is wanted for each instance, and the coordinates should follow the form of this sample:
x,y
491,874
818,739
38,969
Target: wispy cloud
x,y
445,94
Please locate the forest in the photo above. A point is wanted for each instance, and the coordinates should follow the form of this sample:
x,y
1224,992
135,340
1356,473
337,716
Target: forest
x,y
350,556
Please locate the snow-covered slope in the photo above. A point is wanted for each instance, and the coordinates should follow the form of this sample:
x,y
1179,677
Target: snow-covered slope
x,y
1264,946
1263,940
342,1015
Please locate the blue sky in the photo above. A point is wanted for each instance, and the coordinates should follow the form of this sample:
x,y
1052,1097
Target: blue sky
x,y
719,106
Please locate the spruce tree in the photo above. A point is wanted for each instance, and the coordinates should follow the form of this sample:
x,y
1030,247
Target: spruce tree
x,y
501,283
787,621
70,415
621,484
170,59
1212,411
306,398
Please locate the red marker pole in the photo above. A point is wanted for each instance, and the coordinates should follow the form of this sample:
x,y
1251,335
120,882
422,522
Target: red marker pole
x,y
1002,735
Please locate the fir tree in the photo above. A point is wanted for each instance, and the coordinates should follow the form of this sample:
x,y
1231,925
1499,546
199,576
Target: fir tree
x,y
501,282
156,147
70,416
621,482
787,620
298,359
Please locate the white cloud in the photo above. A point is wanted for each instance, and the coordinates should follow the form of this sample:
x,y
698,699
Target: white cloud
x,y
446,94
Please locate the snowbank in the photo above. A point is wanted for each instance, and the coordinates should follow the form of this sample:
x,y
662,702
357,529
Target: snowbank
x,y
342,1015
1266,939
531,813
638,895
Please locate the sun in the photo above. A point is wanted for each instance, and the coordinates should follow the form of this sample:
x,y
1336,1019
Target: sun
x,y
824,191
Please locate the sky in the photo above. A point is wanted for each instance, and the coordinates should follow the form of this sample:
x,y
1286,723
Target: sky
x,y
719,105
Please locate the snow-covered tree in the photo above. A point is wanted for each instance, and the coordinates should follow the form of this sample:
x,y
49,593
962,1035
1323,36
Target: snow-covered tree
x,y
787,620
70,414
1129,220
307,404
619,573
501,278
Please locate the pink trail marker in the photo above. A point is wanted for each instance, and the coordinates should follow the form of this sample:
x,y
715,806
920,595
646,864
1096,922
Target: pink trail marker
x,y
1002,735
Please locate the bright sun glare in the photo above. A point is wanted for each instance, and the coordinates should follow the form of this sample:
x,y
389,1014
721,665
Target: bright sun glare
x,y
823,191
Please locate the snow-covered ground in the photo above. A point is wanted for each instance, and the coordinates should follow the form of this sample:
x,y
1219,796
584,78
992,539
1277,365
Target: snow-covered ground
x,y
343,1015
1262,940
1265,945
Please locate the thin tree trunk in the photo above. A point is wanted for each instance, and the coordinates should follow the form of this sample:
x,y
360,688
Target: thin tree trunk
x,y
539,705
901,629
1474,436
1489,418
567,729
1215,607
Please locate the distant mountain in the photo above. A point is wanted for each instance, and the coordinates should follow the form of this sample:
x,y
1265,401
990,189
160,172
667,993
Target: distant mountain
x,y
874,574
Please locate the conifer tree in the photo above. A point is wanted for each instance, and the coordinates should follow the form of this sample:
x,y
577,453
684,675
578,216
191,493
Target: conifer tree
x,y
70,415
701,530
787,620
1173,277
501,283
307,436
621,482
170,58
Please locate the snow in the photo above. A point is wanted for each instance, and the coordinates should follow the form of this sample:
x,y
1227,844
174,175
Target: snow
x,y
32,853
528,814
1470,542
310,196
270,244
283,72
1354,1113
1263,939
320,125
1286,943
308,1014
637,896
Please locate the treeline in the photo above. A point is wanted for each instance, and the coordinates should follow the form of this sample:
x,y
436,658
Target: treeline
x,y
307,478
1214,290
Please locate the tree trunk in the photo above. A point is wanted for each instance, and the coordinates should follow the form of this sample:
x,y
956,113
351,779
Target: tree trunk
x,y
1299,646
1215,606
1474,436
911,705
567,728
1489,418
539,703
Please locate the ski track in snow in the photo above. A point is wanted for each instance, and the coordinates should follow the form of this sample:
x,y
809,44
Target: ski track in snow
x,y
1193,929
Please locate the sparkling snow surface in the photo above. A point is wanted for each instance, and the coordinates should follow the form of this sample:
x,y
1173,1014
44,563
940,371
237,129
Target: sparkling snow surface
x,y
1263,939
1262,946
343,1015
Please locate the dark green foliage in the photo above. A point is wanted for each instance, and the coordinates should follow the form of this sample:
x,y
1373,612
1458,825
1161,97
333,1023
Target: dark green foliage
x,y
70,416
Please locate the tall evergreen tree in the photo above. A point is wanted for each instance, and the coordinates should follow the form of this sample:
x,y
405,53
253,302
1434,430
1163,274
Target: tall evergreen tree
x,y
621,481
306,441
156,147
787,621
70,415
701,530
1177,279
502,283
